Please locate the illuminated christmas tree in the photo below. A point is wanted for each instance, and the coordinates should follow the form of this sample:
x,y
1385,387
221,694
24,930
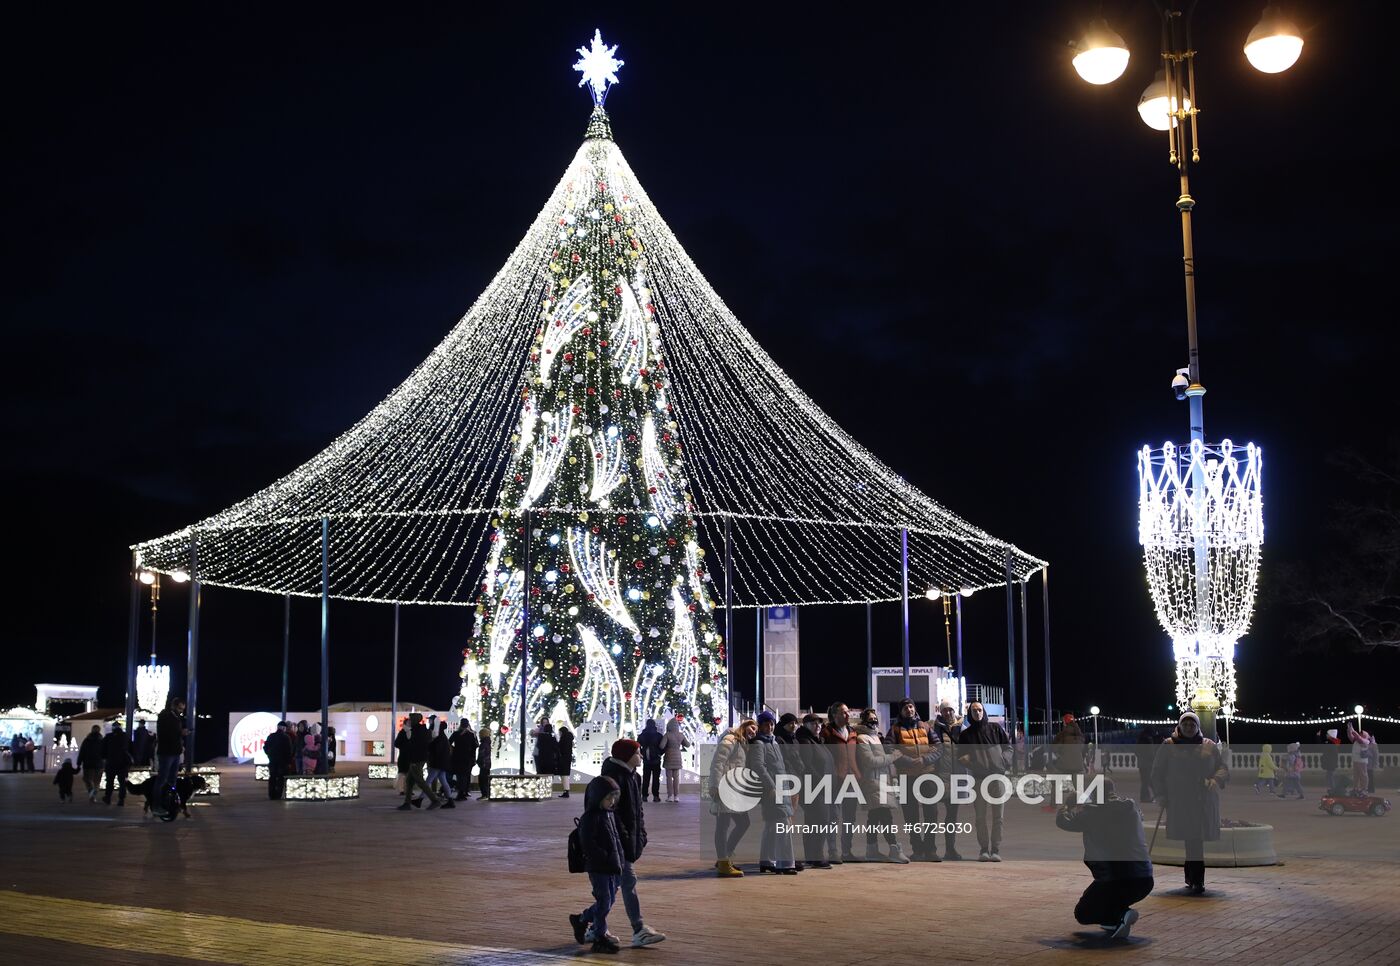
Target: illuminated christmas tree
x,y
599,388
620,612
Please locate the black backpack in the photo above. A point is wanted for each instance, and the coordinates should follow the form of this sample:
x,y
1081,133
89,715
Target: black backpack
x,y
576,863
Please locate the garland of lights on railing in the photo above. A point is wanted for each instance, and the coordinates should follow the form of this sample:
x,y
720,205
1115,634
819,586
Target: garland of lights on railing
x,y
1241,719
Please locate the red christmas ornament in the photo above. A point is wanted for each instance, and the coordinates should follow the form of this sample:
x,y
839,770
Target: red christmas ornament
x,y
621,519
638,564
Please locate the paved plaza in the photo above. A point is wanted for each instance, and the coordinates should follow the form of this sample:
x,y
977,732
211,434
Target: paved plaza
x,y
252,881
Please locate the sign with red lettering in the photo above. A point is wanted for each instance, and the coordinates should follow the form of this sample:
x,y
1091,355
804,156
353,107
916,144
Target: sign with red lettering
x,y
245,739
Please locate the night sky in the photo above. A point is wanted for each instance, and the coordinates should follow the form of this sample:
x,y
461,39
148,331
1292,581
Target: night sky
x,y
231,232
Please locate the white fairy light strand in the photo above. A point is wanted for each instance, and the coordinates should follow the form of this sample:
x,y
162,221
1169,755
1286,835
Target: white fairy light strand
x,y
1200,508
1242,719
411,489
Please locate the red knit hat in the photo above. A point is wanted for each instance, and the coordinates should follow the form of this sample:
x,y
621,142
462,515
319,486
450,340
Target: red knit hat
x,y
624,748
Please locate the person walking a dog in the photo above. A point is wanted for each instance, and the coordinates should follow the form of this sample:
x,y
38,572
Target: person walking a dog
x,y
171,732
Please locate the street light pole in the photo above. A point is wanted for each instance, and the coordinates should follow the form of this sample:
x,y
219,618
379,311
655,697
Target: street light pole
x,y
132,629
1203,640
1098,755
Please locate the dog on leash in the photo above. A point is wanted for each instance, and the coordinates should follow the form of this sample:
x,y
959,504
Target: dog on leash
x,y
185,788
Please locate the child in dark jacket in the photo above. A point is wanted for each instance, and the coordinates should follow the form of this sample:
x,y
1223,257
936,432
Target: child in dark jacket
x,y
64,781
602,852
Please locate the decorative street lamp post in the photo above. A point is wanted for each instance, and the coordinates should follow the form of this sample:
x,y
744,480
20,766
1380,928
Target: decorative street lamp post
x,y
1200,513
1094,713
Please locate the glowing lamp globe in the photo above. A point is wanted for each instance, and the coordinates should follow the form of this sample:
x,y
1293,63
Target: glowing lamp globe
x,y
1358,709
1094,711
1102,56
1156,107
147,578
932,593
1274,44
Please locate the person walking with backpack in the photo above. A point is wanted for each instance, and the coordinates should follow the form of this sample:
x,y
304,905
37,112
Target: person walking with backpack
x,y
622,767
673,743
601,846
464,749
650,740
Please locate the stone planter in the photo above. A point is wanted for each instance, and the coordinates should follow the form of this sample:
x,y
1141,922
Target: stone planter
x,y
1243,845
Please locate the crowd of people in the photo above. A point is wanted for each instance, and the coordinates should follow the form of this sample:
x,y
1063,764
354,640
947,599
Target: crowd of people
x,y
1184,773
840,748
296,749
21,749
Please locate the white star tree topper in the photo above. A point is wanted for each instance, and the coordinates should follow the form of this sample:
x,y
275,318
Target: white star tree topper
x,y
598,66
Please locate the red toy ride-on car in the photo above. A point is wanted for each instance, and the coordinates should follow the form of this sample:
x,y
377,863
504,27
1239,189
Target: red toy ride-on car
x,y
1365,804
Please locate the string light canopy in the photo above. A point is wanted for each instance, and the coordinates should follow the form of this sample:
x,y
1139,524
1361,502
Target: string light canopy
x,y
1201,526
681,398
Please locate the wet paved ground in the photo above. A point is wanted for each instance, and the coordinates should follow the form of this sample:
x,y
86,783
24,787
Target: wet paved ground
x,y
252,881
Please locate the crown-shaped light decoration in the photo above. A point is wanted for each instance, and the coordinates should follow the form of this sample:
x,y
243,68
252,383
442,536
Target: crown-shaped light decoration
x,y
1201,526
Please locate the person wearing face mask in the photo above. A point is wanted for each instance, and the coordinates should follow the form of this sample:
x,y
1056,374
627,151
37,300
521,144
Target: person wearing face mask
x,y
877,767
985,749
631,827
946,731
1187,775
818,847
837,733
730,826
